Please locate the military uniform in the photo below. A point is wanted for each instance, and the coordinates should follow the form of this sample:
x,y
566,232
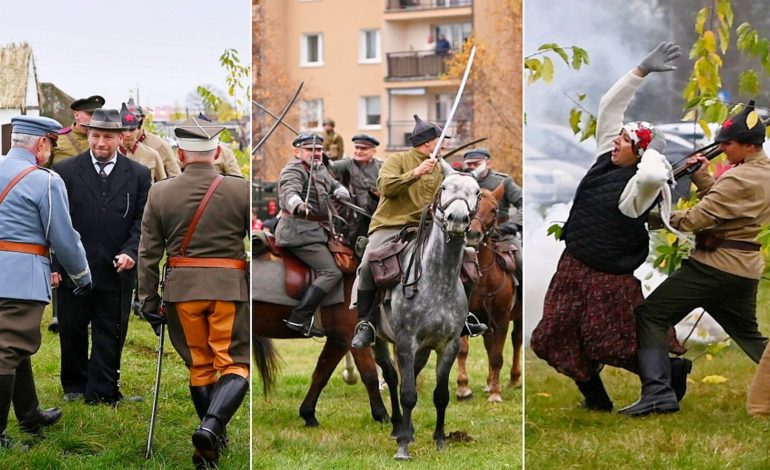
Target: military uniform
x,y
170,161
34,216
206,291
511,201
361,179
148,157
227,164
334,145
70,143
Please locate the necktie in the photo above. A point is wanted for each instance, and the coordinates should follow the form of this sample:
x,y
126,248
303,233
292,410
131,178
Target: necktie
x,y
102,166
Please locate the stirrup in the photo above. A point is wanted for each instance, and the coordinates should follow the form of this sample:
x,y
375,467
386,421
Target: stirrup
x,y
476,323
359,327
308,331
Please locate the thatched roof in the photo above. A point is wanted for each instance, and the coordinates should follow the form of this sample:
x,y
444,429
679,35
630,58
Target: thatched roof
x,y
14,66
55,104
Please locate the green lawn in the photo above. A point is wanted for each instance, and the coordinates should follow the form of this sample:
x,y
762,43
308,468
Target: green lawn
x,y
101,437
712,430
348,437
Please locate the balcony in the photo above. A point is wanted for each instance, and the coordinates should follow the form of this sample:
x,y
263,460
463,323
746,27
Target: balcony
x,y
411,5
416,65
399,132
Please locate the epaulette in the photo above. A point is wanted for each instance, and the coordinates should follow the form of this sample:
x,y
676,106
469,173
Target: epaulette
x,y
65,130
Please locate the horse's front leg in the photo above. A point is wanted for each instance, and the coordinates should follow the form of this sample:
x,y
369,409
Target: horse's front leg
x,y
368,370
517,340
389,373
441,393
333,351
463,390
405,434
494,344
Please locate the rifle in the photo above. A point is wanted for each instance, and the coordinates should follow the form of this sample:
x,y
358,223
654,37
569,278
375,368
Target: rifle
x,y
156,389
710,151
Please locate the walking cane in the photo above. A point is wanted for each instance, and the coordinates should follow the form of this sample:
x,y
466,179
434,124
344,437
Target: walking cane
x,y
156,392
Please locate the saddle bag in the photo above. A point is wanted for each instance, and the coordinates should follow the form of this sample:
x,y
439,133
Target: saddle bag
x,y
470,271
505,255
343,255
385,263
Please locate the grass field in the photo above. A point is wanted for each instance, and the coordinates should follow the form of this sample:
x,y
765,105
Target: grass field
x,y
712,430
348,437
102,437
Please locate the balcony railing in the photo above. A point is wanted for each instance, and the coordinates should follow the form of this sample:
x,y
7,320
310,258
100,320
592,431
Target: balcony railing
x,y
399,132
416,64
396,5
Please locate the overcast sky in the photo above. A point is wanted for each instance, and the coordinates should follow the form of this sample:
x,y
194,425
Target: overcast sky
x,y
166,48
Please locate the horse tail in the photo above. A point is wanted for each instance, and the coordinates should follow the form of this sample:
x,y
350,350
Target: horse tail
x,y
266,358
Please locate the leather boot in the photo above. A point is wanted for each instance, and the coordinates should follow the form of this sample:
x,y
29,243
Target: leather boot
x,y
596,398
680,369
301,318
201,398
365,332
473,326
657,394
25,404
6,396
207,439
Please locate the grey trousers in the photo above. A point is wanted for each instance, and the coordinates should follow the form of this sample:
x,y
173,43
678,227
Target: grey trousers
x,y
320,259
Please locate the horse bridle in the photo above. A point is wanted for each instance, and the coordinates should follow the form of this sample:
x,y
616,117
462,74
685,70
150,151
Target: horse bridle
x,y
436,207
492,229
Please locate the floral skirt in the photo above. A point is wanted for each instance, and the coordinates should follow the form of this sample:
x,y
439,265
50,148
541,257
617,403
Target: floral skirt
x,y
588,320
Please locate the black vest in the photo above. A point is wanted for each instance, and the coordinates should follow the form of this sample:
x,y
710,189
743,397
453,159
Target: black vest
x,y
596,232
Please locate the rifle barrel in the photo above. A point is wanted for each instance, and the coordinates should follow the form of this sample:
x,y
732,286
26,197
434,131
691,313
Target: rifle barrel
x,y
710,151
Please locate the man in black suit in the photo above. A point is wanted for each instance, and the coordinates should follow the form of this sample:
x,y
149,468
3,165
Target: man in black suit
x,y
107,193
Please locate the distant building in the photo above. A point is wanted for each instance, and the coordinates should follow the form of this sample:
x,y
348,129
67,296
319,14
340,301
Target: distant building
x,y
18,87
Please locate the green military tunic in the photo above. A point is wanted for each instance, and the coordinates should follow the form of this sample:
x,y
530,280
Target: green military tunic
x,y
227,164
334,145
148,157
170,162
70,143
404,195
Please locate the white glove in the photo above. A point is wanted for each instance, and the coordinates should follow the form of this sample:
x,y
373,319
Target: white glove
x,y
342,193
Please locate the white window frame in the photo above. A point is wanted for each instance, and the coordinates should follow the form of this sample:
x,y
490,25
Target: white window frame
x,y
362,59
303,50
362,113
304,111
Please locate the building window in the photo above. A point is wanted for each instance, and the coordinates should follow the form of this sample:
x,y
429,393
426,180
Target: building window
x,y
312,53
311,114
369,112
455,33
369,46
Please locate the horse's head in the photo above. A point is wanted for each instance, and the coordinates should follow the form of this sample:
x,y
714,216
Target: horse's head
x,y
483,223
456,201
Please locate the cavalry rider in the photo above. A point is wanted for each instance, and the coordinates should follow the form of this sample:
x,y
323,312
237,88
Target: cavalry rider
x,y
34,217
206,288
407,183
360,173
305,190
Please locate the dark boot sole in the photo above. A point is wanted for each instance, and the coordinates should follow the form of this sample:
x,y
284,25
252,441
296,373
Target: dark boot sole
x,y
649,409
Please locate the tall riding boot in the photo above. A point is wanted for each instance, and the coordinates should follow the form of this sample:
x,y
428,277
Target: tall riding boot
x,y
680,369
301,318
6,396
596,397
473,326
201,398
31,419
657,394
207,439
365,331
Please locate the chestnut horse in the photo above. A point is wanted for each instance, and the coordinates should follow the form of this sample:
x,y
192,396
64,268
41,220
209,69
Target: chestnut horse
x,y
494,301
338,323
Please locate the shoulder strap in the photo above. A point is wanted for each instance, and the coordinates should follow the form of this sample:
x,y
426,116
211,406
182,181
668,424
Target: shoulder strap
x,y
15,180
198,213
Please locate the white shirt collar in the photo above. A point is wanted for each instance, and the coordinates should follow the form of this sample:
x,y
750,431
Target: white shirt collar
x,y
108,168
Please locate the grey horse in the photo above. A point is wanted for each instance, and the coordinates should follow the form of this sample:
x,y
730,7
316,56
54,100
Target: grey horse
x,y
426,312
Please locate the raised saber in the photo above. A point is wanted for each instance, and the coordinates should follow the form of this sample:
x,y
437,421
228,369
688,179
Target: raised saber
x,y
455,104
273,115
279,119
156,392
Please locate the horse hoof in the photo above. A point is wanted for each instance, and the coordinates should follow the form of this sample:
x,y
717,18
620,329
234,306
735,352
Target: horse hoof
x,y
402,455
384,418
495,398
311,423
440,445
465,395
487,389
350,378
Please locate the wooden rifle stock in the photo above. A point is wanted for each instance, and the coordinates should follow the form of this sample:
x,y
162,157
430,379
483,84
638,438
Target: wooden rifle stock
x,y
710,151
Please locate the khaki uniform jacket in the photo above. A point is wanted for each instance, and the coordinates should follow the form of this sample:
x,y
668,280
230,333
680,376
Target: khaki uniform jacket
x,y
220,234
295,231
227,164
735,207
70,144
167,155
403,195
148,157
334,145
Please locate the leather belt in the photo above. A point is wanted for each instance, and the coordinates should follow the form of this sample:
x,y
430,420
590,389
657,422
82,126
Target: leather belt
x,y
188,262
31,248
311,218
739,245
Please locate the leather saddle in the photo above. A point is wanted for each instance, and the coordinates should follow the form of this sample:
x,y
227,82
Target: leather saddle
x,y
505,255
297,274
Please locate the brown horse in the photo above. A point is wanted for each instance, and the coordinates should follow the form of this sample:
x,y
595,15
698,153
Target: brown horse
x,y
494,301
338,323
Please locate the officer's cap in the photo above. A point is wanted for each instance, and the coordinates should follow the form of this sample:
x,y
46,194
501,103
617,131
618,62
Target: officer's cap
x,y
479,152
36,125
366,140
198,135
308,141
745,127
87,104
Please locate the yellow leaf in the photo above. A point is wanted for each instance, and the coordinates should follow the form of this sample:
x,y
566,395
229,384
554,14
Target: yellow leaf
x,y
543,394
752,119
670,238
714,379
709,357
709,41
